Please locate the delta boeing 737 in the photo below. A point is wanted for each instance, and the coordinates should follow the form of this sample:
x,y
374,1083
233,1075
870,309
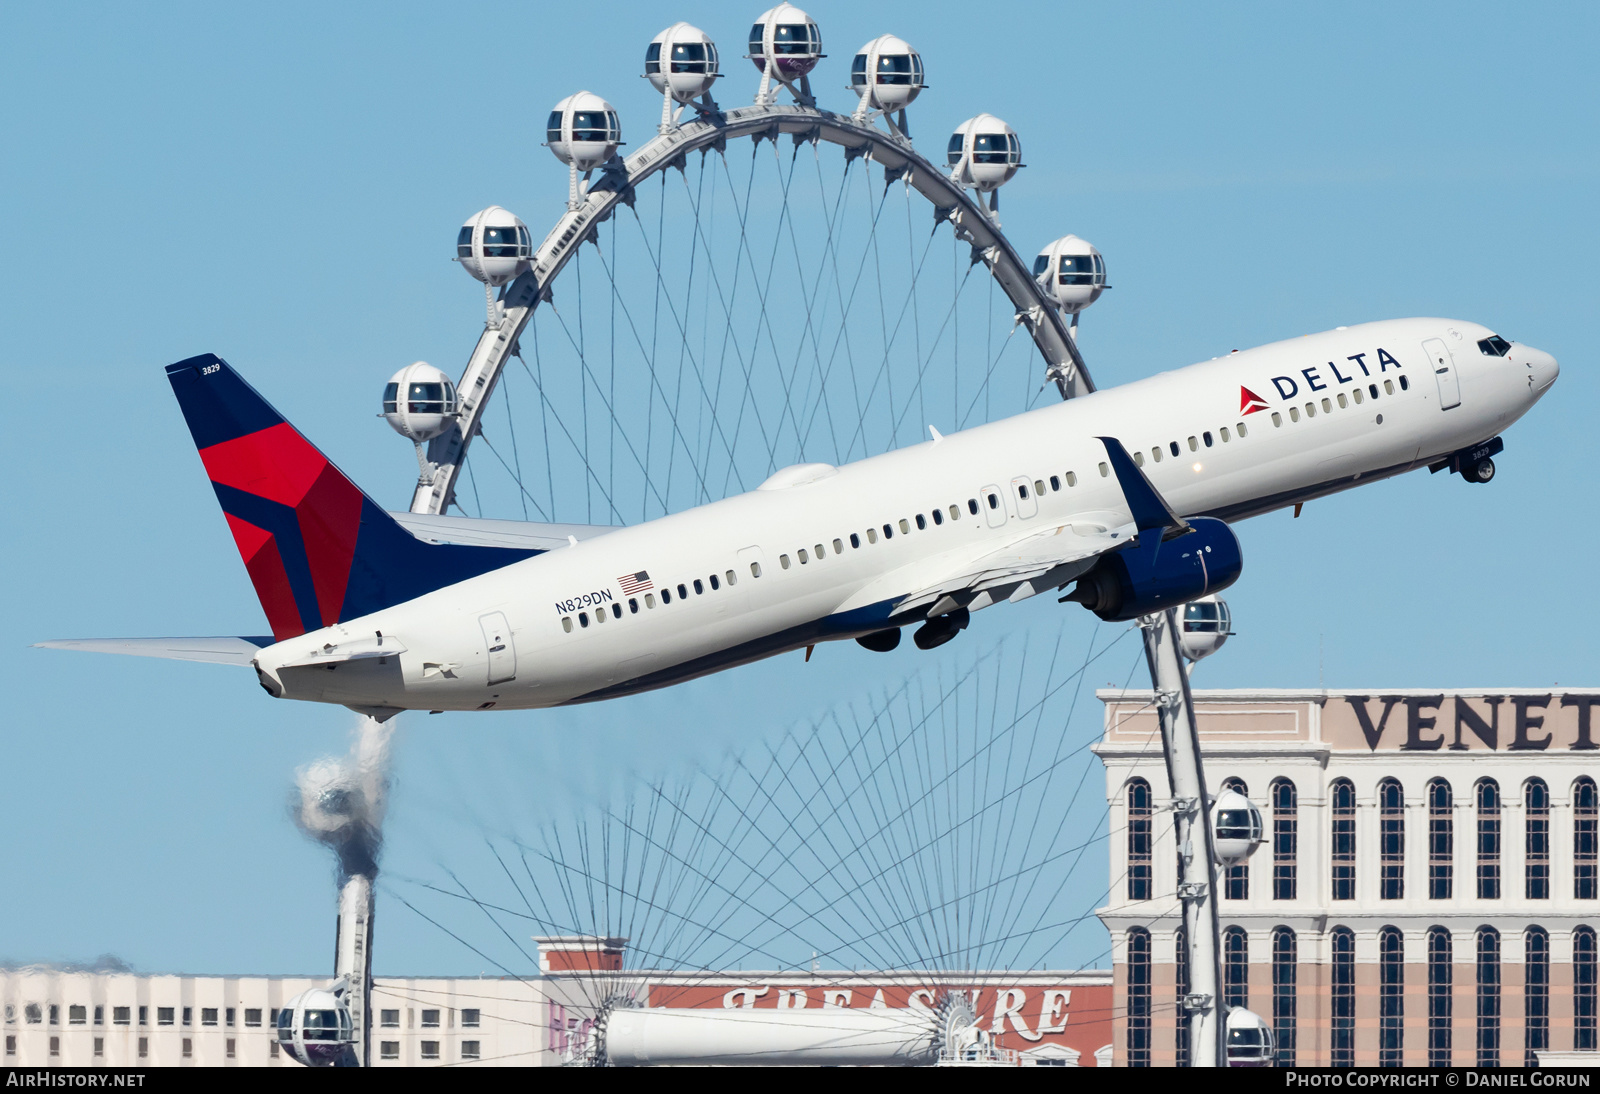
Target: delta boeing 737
x,y
1127,492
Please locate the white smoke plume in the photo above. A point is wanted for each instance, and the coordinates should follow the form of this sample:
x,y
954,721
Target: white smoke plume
x,y
340,801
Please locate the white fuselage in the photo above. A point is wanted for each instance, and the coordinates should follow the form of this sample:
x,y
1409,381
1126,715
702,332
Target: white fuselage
x,y
816,584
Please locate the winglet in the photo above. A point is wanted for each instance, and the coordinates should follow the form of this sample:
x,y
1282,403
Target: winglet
x,y
1150,510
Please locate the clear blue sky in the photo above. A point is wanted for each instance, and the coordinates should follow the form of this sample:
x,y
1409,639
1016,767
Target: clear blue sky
x,y
280,184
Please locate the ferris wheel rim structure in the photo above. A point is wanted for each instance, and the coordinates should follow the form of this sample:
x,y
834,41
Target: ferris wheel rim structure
x,y
951,202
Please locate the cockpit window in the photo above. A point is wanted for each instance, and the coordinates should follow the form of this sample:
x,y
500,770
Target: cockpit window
x,y
1494,346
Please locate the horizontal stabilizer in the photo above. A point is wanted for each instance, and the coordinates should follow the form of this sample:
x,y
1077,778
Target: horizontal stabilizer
x,y
364,648
217,651
482,532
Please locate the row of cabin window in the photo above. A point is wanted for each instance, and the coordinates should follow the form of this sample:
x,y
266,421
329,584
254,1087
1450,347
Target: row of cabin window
x,y
921,520
1195,443
1391,821
1327,403
730,577
1441,997
820,550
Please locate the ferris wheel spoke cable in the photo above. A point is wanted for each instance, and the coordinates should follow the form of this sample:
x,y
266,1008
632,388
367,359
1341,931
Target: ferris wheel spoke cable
x,y
764,320
918,388
489,915
691,450
885,374
640,461
815,395
537,376
795,402
582,447
846,303
983,392
917,850
730,333
1000,844
761,285
812,332
516,476
516,455
916,318
634,876
1005,915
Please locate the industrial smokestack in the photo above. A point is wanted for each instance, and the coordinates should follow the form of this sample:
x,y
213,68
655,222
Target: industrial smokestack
x,y
340,803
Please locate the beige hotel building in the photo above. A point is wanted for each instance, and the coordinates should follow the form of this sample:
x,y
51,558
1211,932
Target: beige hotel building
x,y
1426,894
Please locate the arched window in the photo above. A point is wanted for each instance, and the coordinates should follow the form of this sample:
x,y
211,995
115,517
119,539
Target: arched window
x,y
1488,997
1140,840
1391,997
1441,840
1236,881
1285,840
1344,840
1391,840
1488,798
1585,838
1440,980
1583,989
1138,997
1536,995
1181,1037
1235,968
1536,811
1342,986
1285,967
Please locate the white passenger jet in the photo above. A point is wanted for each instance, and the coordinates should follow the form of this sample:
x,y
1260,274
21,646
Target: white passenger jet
x,y
1126,492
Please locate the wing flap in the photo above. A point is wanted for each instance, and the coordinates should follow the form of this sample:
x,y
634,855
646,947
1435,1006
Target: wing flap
x,y
224,650
1050,556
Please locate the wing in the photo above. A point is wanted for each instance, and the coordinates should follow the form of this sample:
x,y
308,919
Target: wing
x,y
1054,555
1030,564
216,651
477,532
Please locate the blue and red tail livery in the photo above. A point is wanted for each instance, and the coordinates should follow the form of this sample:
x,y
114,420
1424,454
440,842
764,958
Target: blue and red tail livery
x,y
317,549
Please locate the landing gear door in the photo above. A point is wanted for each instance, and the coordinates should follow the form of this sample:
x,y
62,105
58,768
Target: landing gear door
x,y
502,650
1444,373
993,502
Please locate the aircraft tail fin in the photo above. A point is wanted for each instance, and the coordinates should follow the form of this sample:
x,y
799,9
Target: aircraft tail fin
x,y
318,550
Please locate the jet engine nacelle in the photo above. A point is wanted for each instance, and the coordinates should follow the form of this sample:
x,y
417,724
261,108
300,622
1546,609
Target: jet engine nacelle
x,y
1153,576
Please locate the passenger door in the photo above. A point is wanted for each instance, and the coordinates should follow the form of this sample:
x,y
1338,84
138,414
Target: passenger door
x,y
502,650
993,502
1444,373
1022,494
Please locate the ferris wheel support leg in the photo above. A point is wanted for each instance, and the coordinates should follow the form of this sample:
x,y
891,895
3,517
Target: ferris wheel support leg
x,y
1197,886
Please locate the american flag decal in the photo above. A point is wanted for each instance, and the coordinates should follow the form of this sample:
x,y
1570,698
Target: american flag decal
x,y
635,583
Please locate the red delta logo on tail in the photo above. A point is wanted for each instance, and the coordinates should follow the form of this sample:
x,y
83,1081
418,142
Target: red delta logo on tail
x,y
317,549
279,466
1249,401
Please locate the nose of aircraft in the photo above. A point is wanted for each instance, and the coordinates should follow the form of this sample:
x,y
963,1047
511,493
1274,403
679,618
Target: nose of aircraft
x,y
1542,368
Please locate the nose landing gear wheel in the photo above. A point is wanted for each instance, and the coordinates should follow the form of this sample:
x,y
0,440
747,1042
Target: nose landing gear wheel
x,y
1481,471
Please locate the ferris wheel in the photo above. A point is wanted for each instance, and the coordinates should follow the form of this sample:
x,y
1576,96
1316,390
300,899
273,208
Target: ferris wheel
x,y
830,296
717,318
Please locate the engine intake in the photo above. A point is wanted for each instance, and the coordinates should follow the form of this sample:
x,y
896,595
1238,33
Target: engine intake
x,y
1154,576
